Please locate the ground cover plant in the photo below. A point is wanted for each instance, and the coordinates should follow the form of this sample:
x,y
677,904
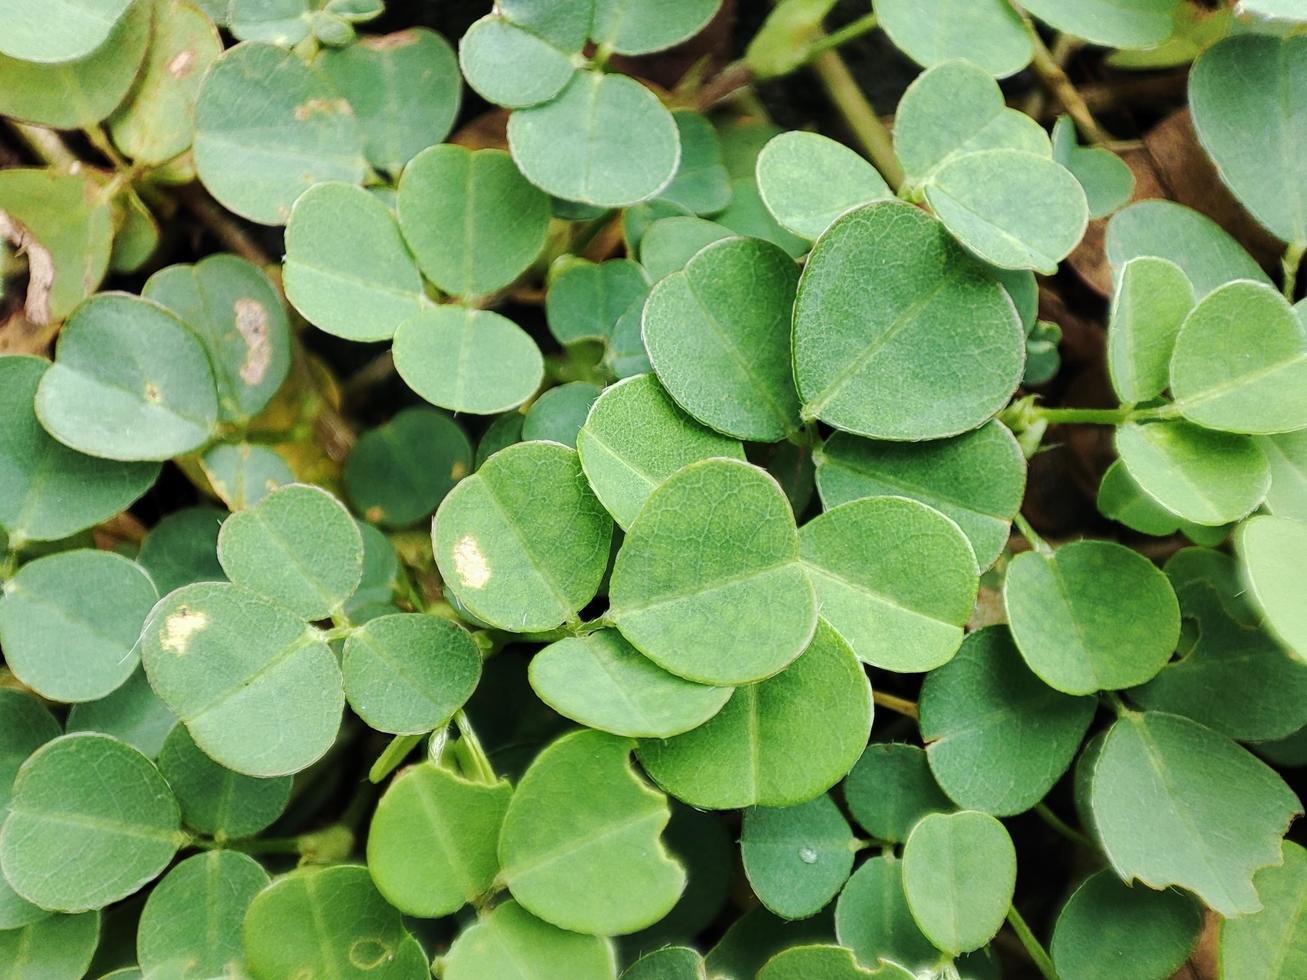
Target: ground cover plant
x,y
575,490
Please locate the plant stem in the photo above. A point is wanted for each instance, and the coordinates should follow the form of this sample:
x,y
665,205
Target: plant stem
x,y
1033,947
1056,81
470,750
1084,416
1290,262
393,754
1031,535
843,91
851,31
101,142
902,705
1061,826
1115,701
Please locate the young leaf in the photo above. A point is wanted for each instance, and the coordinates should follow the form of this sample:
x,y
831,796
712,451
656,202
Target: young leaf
x,y
1174,803
258,691
634,438
1153,296
214,800
329,922
471,219
1267,945
468,360
558,414
808,180
511,940
130,381
888,358
977,479
896,577
267,128
1093,616
873,919
512,66
1110,23
1270,551
82,26
634,28
987,33
195,913
298,547
891,788
797,858
959,871
522,542
997,737
242,475
56,946
99,799
586,299
1106,925
603,682
69,623
399,472
580,846
820,707
714,594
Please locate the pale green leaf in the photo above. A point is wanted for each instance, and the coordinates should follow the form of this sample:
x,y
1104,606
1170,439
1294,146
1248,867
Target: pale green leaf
x,y
873,919
1153,296
1271,551
986,32
78,28
586,299
1111,23
510,65
1269,944
57,947
243,474
133,713
512,941
808,180
634,27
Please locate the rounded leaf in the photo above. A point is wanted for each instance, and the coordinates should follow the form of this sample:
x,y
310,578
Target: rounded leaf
x,y
558,414
1271,551
1287,456
586,299
1262,946
81,27
241,475
133,714
56,947
828,963
808,180
214,800
633,28
873,919
797,858
891,788
511,940
399,472
986,32
1110,23
510,65
1153,296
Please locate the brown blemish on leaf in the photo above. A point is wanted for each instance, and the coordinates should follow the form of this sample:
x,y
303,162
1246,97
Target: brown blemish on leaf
x,y
40,268
180,628
458,470
470,563
389,42
252,322
374,514
306,110
152,393
181,64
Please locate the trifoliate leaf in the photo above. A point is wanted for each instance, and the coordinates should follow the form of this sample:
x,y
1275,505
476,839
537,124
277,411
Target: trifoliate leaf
x,y
634,438
243,474
1174,803
988,33
1153,296
1093,616
558,414
69,623
891,788
523,543
896,577
399,472
712,593
886,356
997,737
819,707
586,299
97,798
808,180
603,682
1270,550
511,940
512,66
214,800
797,858
133,713
130,382
873,919
1111,23
959,871
258,690
580,845
1268,944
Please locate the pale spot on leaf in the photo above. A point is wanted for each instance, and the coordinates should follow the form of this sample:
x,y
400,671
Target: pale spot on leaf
x,y
470,563
252,322
180,628
181,64
152,393
388,42
458,470
368,954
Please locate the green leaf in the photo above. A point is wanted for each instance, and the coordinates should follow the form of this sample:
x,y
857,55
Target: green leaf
x,y
348,270
408,673
634,438
1108,931
1271,551
258,691
404,88
997,737
984,199
988,33
714,594
1093,616
1245,92
502,432
522,542
630,27
747,215
1123,500
826,963
668,963
281,22
1287,456
669,243
512,66
468,360
959,871
896,577
99,799
214,800
718,334
891,788
81,27
603,682
1153,296
195,914
797,858
48,491
1268,945
432,846
977,479
625,355
782,44
580,846
133,714
872,917
298,547
57,947
1174,803
605,140
1240,362
510,941
564,25
130,381
701,184
471,219
69,623
819,709
1107,180
586,299
236,313
399,472
558,414
73,94
758,935
243,474
158,122
267,128
376,589
1111,23
1205,251
882,355
329,922
808,180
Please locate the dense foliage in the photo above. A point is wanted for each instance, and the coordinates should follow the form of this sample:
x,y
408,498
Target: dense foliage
x,y
590,551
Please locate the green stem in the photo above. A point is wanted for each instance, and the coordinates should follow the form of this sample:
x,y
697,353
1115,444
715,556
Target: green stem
x,y
1031,535
1033,947
842,89
1102,416
849,32
392,755
1060,86
1290,262
470,752
1113,699
1062,827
